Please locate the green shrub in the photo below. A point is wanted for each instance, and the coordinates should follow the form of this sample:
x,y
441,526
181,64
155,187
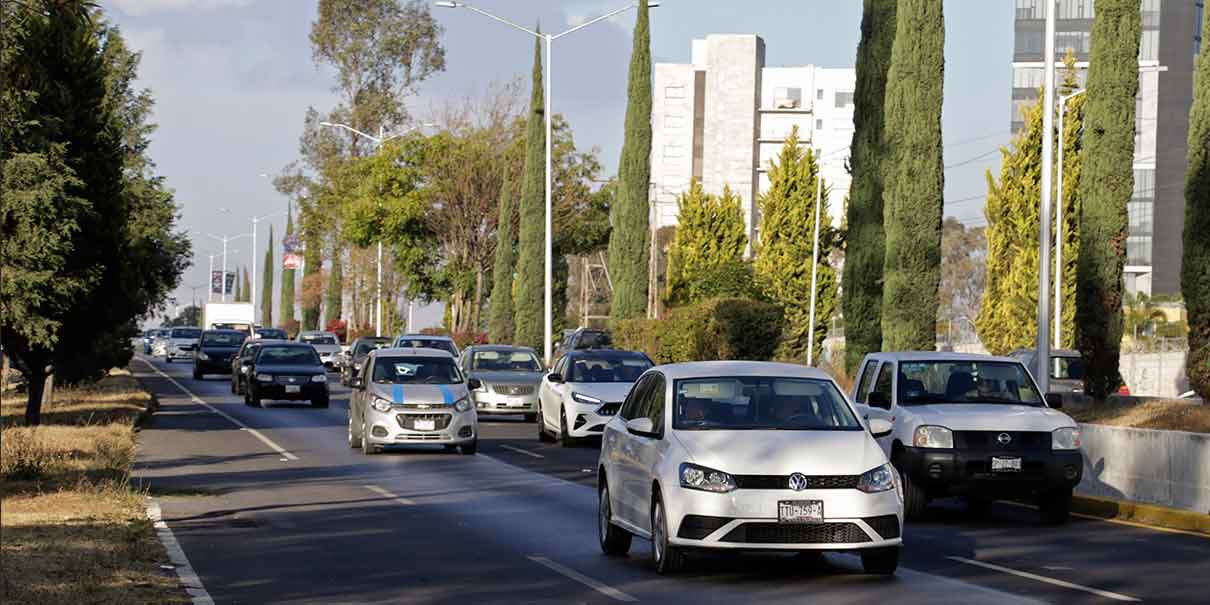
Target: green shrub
x,y
720,328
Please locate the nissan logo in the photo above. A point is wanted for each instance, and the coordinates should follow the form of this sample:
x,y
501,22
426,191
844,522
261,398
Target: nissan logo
x,y
1004,438
798,482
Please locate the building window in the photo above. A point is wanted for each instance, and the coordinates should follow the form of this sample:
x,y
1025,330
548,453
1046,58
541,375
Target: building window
x,y
1028,77
844,98
819,94
1030,9
674,92
1078,42
1028,42
1138,250
1074,9
787,98
818,124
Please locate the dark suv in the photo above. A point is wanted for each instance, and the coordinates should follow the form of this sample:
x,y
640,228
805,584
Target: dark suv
x,y
582,338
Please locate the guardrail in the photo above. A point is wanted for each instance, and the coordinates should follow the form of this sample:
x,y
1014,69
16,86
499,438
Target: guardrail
x,y
1168,468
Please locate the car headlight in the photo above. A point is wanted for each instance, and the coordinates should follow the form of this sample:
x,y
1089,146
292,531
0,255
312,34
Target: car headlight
x,y
933,437
462,405
1066,438
878,479
319,378
202,356
380,404
705,479
264,377
582,398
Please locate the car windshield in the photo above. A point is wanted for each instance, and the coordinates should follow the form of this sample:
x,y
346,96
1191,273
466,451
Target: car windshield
x,y
318,339
416,370
593,340
1066,368
505,361
427,343
608,368
287,356
191,333
925,382
272,333
223,339
366,346
761,403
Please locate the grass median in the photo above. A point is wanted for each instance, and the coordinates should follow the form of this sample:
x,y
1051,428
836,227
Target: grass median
x,y
72,529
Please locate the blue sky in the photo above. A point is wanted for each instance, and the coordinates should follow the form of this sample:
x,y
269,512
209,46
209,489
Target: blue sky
x,y
232,79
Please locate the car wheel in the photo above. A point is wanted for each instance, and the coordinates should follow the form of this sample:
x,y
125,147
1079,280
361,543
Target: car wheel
x,y
614,540
1055,506
253,397
915,499
543,436
367,448
469,449
665,557
881,561
531,417
354,438
196,374
234,390
565,439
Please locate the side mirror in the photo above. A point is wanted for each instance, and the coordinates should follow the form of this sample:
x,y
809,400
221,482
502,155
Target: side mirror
x,y
555,377
879,400
1054,400
357,383
641,426
474,384
880,427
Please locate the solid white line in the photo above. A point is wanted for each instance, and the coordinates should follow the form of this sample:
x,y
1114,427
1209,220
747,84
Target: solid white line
x,y
521,451
608,591
384,493
184,571
243,427
1025,574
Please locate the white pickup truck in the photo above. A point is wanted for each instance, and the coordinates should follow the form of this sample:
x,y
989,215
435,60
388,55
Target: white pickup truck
x,y
972,426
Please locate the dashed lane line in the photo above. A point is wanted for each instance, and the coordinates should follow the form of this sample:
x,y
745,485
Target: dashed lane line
x,y
385,494
180,563
1052,581
521,451
604,589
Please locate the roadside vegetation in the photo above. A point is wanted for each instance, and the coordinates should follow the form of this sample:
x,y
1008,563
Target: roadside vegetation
x,y
74,531
1168,415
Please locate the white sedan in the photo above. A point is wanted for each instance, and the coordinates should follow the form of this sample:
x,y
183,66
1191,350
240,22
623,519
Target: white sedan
x,y
746,456
584,392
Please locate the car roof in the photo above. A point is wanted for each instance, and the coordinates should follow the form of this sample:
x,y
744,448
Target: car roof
x,y
374,338
500,348
1053,352
424,337
223,331
285,343
709,369
940,356
605,352
411,352
316,333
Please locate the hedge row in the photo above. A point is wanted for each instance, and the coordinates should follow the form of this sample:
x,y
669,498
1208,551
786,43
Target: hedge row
x,y
721,328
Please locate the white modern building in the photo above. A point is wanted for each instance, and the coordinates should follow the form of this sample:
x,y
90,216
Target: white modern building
x,y
722,117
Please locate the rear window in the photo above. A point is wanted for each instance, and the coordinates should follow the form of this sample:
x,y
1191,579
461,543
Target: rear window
x,y
594,340
366,346
505,361
287,356
1066,368
427,343
318,339
223,339
193,333
272,334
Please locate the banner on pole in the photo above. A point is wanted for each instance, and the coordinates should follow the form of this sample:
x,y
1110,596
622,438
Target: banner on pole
x,y
216,282
291,261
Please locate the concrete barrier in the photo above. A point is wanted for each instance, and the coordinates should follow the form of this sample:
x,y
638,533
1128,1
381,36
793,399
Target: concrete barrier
x,y
1168,468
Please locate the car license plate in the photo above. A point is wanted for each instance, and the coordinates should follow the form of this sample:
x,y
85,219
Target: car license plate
x,y
800,511
516,402
293,388
425,425
1006,465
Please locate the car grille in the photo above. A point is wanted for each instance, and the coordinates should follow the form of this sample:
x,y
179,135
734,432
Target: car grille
x,y
788,533
887,526
783,481
1020,441
609,409
420,437
696,527
408,421
291,379
513,389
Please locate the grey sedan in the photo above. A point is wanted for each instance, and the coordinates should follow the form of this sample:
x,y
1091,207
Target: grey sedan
x,y
508,376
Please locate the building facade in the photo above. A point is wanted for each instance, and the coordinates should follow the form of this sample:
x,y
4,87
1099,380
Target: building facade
x,y
722,117
1167,48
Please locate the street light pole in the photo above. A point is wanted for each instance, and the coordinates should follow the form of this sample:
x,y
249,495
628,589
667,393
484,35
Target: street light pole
x,y
1048,117
814,264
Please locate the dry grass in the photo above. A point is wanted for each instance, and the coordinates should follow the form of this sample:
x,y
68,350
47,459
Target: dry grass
x,y
73,530
1172,415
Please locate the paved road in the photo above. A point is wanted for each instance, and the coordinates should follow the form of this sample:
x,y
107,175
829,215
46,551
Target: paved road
x,y
271,505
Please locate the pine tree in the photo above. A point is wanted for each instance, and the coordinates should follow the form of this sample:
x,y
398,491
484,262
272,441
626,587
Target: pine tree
x,y
500,324
288,279
266,292
710,237
1106,185
914,178
629,240
1195,267
783,254
334,294
528,314
866,241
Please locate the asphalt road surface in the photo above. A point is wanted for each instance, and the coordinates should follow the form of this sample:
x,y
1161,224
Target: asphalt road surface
x,y
271,505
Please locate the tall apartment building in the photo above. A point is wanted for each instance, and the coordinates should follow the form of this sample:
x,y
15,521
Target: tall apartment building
x,y
724,116
1169,42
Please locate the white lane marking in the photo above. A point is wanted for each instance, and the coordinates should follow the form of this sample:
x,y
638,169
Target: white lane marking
x,y
521,451
184,570
608,591
1025,574
1169,530
243,427
384,493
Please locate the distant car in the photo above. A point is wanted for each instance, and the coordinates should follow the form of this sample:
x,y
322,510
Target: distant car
x,y
180,343
270,334
1066,371
159,342
353,358
287,371
412,397
582,338
584,391
242,363
215,350
148,337
427,341
509,377
325,343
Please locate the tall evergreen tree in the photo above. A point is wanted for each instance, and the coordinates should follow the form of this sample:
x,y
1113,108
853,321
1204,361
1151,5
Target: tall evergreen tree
x,y
312,271
866,240
236,295
288,280
334,294
266,291
500,324
1106,185
1195,267
710,240
914,179
246,287
527,317
629,240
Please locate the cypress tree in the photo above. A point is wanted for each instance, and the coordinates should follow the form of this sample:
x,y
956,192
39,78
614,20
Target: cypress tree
x,y
1106,185
527,317
500,323
245,289
334,294
266,291
287,278
914,178
1195,267
866,241
312,265
709,242
629,240
236,295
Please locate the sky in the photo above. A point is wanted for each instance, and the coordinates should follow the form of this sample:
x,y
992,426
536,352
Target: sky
x,y
232,80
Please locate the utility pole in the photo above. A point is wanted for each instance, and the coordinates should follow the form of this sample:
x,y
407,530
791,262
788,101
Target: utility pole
x,y
1048,118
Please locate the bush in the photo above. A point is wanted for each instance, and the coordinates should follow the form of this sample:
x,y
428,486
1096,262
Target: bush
x,y
340,328
721,328
25,456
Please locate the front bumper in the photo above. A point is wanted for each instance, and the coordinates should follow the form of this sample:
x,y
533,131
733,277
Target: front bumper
x,y
494,403
213,365
966,472
746,519
399,426
277,391
179,353
585,420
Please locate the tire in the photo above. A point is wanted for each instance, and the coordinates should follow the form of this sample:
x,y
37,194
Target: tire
x,y
1055,506
354,439
469,449
880,561
977,505
320,402
666,559
234,391
367,448
615,541
565,439
543,436
197,375
915,499
531,417
253,397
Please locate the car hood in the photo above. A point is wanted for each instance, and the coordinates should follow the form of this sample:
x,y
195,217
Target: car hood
x,y
424,394
605,391
497,377
989,416
783,452
296,370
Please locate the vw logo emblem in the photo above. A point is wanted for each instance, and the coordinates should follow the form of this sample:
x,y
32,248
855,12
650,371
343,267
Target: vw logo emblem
x,y
798,482
1004,438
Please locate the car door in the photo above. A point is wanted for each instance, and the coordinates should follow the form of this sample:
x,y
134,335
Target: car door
x,y
880,401
649,449
551,395
629,468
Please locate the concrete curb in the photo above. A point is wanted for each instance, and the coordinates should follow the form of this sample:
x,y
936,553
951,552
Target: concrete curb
x,y
1142,514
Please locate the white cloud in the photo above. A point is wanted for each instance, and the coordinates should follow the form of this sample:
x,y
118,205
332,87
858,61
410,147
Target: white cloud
x,y
578,13
139,8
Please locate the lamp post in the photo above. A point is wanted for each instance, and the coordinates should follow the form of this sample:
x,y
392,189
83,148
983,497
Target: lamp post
x,y
548,39
378,141
1048,117
1063,99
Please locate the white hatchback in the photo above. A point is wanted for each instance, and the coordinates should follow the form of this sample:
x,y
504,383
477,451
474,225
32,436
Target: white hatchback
x,y
746,456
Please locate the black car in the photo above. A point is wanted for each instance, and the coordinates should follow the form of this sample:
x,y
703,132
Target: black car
x,y
271,334
215,350
582,338
241,364
287,371
357,354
